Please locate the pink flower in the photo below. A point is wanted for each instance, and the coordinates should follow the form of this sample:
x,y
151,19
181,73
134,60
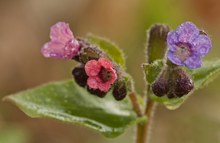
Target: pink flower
x,y
63,45
101,74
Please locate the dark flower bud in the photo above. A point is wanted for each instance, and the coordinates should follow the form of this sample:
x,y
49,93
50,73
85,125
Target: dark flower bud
x,y
97,92
88,52
160,86
173,82
184,83
80,75
120,90
157,45
180,82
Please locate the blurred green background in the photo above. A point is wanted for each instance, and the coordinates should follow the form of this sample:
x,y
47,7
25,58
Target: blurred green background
x,y
24,28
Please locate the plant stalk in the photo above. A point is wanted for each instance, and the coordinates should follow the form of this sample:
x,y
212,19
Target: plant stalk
x,y
144,129
135,104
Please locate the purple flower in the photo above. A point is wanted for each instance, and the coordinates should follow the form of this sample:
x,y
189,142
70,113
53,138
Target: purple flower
x,y
63,45
187,44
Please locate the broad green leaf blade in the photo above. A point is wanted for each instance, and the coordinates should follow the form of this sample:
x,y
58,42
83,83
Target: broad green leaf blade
x,y
152,70
109,48
204,75
201,77
67,102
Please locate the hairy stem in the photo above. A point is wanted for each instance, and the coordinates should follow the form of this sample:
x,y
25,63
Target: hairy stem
x,y
144,130
135,104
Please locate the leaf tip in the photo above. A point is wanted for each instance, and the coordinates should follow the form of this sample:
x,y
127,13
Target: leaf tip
x,y
7,98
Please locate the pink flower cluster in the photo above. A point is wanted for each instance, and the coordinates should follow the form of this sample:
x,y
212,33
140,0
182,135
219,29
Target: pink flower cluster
x,y
63,45
101,74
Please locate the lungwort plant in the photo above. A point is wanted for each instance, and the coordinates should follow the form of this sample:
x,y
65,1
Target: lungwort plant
x,y
101,95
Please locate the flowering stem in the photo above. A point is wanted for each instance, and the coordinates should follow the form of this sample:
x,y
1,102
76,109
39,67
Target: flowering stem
x,y
144,129
135,104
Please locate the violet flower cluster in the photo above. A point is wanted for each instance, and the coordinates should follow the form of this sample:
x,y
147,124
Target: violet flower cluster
x,y
187,44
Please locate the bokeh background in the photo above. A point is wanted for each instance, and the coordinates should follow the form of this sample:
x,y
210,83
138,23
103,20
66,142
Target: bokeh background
x,y
24,28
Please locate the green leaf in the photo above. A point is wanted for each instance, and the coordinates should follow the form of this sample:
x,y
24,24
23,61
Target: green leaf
x,y
112,50
67,102
201,77
204,75
153,70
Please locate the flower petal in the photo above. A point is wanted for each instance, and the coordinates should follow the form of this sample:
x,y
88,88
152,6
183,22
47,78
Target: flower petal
x,y
92,68
104,86
61,32
172,39
202,45
72,48
114,76
193,62
53,49
105,63
56,49
173,58
187,32
92,82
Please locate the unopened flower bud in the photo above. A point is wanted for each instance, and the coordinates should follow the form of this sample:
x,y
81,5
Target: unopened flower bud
x,y
172,82
180,82
160,86
80,75
157,45
184,83
97,92
119,90
88,52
